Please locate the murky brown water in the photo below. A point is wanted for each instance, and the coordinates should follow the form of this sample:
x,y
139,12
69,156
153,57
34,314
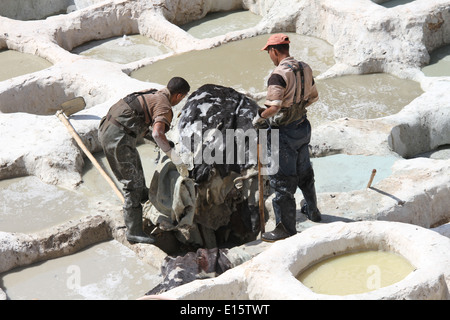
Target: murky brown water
x,y
362,97
440,153
220,23
14,64
122,50
243,66
105,271
439,65
29,205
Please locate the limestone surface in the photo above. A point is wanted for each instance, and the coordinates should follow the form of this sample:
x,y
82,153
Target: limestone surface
x,y
366,38
272,274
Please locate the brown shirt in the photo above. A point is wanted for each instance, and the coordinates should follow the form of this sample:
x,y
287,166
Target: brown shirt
x,y
136,116
159,107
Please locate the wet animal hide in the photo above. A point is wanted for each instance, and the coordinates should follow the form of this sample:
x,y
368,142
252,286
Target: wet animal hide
x,y
205,263
221,108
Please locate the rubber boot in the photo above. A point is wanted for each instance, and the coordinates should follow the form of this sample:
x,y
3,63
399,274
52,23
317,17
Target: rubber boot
x,y
284,201
279,233
314,216
310,206
133,222
307,186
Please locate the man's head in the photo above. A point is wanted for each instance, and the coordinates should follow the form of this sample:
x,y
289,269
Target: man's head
x,y
178,88
278,47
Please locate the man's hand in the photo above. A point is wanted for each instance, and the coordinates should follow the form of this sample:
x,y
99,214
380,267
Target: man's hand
x,y
150,138
182,168
167,147
259,122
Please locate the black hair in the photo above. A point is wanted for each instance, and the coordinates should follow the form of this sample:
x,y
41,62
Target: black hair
x,y
283,48
178,85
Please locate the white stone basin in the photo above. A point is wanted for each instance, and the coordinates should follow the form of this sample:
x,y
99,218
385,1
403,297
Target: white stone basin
x,y
272,274
41,9
363,38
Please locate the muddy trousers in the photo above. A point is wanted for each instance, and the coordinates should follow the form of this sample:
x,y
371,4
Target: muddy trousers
x,y
295,171
125,162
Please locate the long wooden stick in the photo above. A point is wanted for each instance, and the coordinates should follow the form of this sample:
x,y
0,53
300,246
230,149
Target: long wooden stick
x,y
60,114
261,193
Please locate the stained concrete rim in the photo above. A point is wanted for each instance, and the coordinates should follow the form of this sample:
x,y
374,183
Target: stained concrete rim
x,y
432,263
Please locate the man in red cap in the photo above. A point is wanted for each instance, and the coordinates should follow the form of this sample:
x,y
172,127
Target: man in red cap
x,y
291,89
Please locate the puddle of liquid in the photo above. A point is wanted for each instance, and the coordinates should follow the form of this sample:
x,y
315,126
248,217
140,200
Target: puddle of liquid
x,y
240,64
220,23
105,271
439,65
14,64
355,273
367,96
95,187
440,153
122,50
28,205
344,173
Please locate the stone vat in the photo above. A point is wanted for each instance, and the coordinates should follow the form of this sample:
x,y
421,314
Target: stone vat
x,y
272,274
365,36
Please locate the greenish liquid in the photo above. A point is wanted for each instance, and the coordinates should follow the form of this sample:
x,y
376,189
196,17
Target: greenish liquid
x,y
354,273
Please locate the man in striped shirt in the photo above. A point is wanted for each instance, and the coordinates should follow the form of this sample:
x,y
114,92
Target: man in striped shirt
x,y
291,89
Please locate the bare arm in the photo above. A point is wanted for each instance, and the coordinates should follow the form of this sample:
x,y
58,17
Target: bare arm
x,y
270,111
159,134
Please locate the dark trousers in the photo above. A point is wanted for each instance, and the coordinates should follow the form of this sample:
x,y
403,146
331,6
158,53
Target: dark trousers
x,y
125,162
295,170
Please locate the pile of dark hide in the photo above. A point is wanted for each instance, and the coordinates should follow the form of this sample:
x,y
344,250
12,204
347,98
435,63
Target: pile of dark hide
x,y
220,108
205,263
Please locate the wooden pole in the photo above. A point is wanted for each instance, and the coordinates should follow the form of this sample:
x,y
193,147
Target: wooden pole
x,y
374,171
262,221
60,114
